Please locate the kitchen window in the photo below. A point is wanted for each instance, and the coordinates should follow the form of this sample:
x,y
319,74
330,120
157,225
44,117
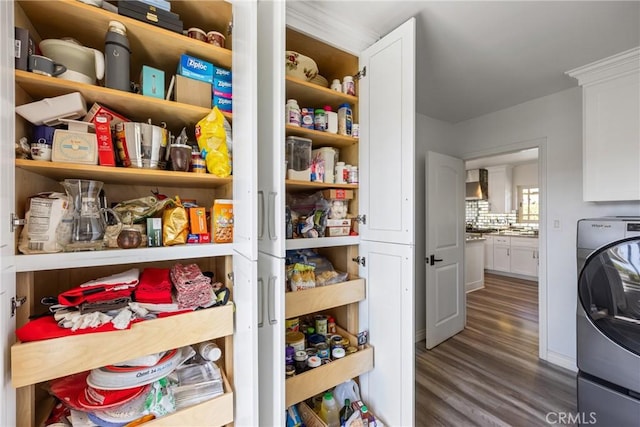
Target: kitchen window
x,y
529,203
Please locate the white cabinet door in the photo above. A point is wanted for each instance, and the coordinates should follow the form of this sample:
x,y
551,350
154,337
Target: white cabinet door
x,y
387,139
388,315
245,341
7,203
245,114
488,252
473,265
271,94
501,260
499,189
271,287
524,261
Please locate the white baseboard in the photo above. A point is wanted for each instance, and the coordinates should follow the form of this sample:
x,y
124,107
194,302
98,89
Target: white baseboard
x,y
562,361
421,335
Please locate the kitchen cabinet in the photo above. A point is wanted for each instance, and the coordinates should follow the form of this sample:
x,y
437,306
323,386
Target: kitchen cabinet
x,y
379,259
474,265
524,256
502,253
488,252
500,188
31,277
611,127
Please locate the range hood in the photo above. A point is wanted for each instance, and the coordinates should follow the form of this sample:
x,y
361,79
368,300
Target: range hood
x,y
477,184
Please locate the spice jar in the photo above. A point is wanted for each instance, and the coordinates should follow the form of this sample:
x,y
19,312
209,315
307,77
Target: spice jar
x,y
313,362
337,353
301,361
289,371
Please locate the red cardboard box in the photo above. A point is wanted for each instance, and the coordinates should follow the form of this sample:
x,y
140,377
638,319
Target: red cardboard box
x,y
106,155
97,109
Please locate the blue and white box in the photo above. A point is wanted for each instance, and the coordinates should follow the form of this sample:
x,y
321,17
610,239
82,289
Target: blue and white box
x,y
195,68
222,88
223,104
221,73
152,82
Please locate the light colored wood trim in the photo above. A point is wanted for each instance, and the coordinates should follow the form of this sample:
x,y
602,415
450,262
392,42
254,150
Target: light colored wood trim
x,y
215,412
26,406
78,353
125,176
310,94
135,107
317,380
152,45
321,139
25,283
323,298
322,242
43,410
308,185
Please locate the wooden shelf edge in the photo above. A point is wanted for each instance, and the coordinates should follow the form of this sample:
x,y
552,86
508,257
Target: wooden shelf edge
x,y
321,242
214,412
78,353
320,138
292,184
321,298
320,89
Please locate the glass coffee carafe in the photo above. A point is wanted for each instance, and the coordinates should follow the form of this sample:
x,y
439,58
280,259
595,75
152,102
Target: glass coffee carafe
x,y
83,225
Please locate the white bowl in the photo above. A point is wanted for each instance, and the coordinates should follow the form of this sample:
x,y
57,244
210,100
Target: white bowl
x,y
300,66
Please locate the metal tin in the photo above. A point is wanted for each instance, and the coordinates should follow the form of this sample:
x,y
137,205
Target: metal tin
x,y
292,324
321,324
323,350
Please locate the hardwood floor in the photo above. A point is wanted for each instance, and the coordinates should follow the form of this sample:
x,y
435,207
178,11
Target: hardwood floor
x,y
490,374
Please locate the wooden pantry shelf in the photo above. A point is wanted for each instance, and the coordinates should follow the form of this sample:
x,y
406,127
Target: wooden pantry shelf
x,y
321,139
124,176
322,242
322,298
308,185
134,106
150,45
308,384
37,361
312,95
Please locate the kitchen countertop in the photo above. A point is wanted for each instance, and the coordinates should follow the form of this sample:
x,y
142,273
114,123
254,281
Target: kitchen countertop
x,y
474,239
513,233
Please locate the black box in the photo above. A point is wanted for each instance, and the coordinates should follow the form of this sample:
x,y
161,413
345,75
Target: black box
x,y
151,15
24,47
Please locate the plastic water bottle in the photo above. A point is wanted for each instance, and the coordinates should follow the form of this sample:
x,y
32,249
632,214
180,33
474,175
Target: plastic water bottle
x,y
117,55
329,411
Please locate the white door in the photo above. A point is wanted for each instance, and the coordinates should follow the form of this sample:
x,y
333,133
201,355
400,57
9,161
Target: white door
x,y
7,203
271,343
271,94
387,140
244,129
388,314
445,306
245,341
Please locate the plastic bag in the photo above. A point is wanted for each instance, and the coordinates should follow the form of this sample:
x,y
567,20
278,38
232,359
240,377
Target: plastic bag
x,y
212,141
44,212
137,210
175,225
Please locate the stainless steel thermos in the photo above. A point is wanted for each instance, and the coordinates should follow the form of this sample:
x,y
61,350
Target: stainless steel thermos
x,y
117,53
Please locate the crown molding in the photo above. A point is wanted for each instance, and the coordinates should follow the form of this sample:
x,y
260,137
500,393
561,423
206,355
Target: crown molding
x,y
311,18
612,67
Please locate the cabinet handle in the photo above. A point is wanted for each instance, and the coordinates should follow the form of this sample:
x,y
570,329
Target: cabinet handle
x,y
534,254
272,300
272,215
261,214
509,252
260,303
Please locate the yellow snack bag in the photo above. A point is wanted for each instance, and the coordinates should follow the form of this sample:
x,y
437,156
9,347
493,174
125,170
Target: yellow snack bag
x,y
175,224
212,141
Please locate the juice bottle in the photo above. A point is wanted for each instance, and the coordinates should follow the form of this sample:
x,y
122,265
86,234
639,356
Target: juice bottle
x,y
329,410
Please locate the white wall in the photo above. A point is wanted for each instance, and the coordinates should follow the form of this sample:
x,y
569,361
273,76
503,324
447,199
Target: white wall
x,y
558,118
524,174
431,135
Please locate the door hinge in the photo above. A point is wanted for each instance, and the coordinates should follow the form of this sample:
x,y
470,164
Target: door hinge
x,y
362,219
16,222
360,260
15,303
230,28
360,74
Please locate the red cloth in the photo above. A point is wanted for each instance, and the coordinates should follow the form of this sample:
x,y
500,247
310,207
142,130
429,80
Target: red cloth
x,y
44,328
154,286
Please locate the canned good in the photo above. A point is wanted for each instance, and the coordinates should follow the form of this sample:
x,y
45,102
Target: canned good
x,y
198,165
295,340
321,324
292,324
323,350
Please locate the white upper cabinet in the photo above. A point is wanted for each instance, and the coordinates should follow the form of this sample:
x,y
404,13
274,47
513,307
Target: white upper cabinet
x,y
387,140
611,127
500,188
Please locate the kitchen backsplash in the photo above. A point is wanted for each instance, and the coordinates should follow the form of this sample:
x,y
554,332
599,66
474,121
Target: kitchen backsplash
x,y
478,215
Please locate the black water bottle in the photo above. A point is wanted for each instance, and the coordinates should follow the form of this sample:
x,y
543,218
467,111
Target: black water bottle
x,y
117,53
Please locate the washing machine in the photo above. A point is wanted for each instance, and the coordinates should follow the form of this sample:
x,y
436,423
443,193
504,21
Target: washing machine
x,y
608,321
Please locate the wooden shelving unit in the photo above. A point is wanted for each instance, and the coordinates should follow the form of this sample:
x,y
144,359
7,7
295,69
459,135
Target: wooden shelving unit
x,y
323,298
308,185
307,93
319,138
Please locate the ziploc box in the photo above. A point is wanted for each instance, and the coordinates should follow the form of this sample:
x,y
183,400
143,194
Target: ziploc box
x,y
223,104
222,74
195,68
222,88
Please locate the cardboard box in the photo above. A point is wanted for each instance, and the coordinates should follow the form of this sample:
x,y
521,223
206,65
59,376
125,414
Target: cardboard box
x,y
24,47
97,109
346,222
337,231
338,193
192,92
222,88
195,68
106,155
154,232
198,220
223,104
222,74
199,238
152,82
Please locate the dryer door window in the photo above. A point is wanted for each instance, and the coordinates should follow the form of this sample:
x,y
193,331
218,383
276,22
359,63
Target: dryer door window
x,y
609,291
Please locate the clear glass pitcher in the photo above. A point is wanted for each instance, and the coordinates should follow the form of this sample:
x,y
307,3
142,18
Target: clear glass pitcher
x,y
83,225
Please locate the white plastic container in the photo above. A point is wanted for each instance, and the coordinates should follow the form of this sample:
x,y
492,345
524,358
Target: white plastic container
x,y
209,351
49,111
348,86
339,176
336,85
331,118
345,119
292,112
328,155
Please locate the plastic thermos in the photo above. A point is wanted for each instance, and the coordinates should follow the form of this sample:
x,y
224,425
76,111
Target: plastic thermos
x,y
117,55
